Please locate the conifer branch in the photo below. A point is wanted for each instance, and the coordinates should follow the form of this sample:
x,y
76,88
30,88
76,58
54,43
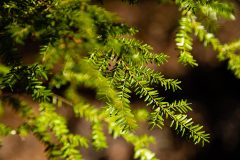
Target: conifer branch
x,y
156,78
162,108
98,52
184,42
140,146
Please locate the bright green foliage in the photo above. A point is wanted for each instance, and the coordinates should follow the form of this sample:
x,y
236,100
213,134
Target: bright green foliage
x,y
229,52
190,22
184,42
82,45
139,146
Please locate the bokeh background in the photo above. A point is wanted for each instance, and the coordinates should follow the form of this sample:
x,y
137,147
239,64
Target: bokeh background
x,y
212,89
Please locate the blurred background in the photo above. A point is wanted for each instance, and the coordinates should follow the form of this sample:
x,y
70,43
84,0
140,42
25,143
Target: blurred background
x,y
212,89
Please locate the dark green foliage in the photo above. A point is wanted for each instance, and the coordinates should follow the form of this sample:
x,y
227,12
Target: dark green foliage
x,y
99,53
27,79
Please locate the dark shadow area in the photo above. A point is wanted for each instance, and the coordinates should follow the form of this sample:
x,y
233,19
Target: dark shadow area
x,y
217,90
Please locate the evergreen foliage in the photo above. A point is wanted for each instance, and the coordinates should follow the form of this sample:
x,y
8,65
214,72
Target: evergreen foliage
x,y
98,52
